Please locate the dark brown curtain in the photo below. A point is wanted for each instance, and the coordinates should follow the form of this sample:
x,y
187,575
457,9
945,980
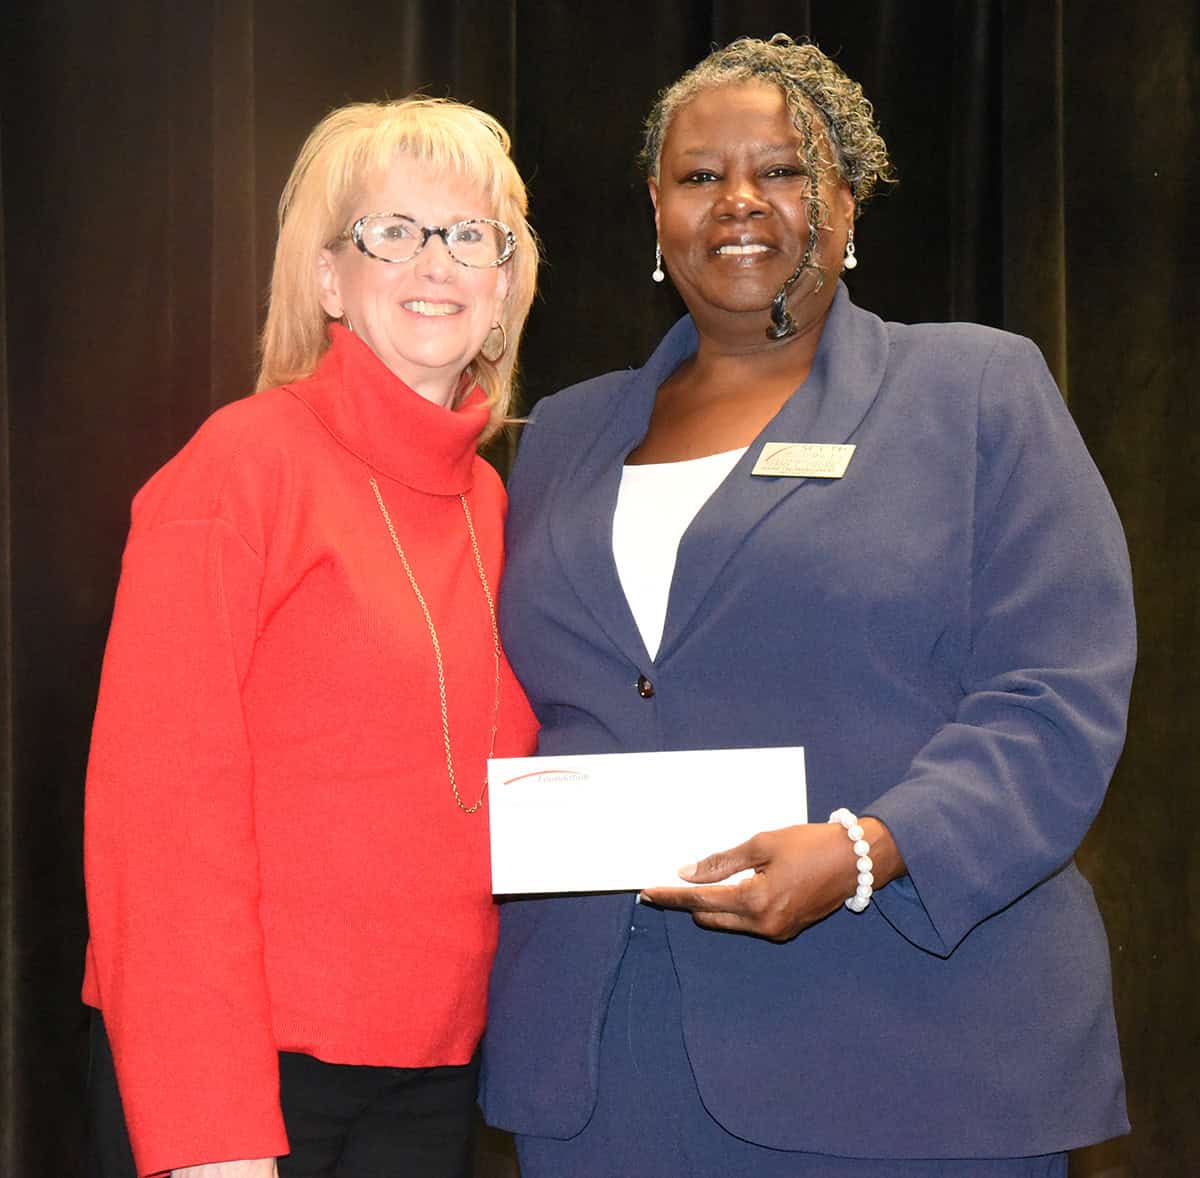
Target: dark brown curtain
x,y
1049,184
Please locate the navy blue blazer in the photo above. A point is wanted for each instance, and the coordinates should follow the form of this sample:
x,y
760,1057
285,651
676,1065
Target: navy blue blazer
x,y
948,630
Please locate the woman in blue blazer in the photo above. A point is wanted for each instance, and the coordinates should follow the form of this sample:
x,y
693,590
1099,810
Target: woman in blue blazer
x,y
920,986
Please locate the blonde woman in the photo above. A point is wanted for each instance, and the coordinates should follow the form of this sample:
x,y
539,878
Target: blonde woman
x,y
286,831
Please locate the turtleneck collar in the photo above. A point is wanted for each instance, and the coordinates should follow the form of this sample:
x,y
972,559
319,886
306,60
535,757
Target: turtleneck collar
x,y
395,431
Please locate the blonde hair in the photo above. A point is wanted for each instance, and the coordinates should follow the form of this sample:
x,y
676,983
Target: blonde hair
x,y
341,155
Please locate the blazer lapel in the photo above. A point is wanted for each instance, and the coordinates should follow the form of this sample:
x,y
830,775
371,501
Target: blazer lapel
x,y
845,379
581,516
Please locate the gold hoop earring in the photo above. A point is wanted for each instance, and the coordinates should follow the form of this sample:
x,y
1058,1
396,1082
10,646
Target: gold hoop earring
x,y
492,359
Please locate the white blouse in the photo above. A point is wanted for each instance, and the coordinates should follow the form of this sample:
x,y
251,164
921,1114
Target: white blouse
x,y
655,505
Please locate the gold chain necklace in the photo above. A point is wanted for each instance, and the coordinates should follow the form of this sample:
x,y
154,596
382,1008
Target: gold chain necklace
x,y
437,646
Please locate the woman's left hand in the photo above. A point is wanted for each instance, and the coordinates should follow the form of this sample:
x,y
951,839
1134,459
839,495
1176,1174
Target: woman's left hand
x,y
801,875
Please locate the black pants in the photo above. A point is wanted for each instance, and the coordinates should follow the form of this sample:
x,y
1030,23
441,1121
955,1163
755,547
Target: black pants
x,y
342,1121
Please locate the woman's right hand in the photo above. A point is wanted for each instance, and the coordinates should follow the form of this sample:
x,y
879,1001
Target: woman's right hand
x,y
801,874
250,1168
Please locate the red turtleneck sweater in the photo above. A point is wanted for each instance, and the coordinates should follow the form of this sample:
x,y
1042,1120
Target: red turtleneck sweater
x,y
274,857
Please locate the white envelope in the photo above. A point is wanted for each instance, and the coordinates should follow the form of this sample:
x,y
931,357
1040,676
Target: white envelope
x,y
626,821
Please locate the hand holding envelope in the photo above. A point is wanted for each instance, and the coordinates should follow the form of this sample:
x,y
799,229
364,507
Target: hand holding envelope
x,y
625,821
801,875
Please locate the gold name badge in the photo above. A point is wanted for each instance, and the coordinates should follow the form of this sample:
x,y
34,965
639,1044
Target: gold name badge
x,y
803,460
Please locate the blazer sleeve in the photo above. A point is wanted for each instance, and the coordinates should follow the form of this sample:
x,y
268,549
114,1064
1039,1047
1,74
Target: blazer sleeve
x,y
1000,797
170,855
526,466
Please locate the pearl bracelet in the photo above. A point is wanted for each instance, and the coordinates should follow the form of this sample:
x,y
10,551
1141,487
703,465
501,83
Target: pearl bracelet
x,y
862,848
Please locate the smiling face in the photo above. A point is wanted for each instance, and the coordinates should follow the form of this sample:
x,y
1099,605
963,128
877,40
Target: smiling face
x,y
731,208
427,318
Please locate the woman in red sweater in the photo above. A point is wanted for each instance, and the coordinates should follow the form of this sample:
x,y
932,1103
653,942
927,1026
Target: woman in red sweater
x,y
286,828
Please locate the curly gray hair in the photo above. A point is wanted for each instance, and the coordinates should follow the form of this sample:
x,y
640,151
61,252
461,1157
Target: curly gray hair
x,y
809,80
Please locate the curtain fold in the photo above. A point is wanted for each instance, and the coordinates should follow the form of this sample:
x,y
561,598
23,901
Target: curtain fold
x,y
1034,235
1047,155
9,1079
235,290
975,167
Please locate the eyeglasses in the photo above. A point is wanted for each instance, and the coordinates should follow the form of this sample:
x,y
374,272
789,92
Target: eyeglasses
x,y
393,237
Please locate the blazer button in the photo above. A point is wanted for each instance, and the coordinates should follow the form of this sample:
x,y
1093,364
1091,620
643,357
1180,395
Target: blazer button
x,y
645,687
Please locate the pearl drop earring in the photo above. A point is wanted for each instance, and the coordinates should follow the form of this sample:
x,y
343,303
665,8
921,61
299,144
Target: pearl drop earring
x,y
657,273
849,261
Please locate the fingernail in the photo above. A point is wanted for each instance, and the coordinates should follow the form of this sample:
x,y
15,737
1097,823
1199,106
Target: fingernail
x,y
687,870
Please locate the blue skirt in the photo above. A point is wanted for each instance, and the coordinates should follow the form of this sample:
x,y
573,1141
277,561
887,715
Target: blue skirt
x,y
649,1119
